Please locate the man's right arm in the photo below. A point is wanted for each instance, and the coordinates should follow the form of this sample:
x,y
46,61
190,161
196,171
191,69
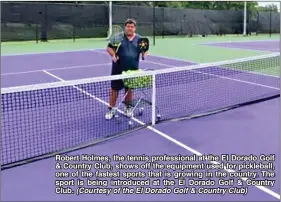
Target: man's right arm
x,y
111,52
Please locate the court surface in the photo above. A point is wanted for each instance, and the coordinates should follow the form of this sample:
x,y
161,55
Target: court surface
x,y
252,129
272,46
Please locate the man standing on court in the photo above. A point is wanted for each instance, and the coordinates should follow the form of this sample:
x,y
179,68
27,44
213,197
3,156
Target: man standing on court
x,y
128,59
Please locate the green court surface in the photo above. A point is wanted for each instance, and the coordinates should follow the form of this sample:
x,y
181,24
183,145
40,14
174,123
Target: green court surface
x,y
192,49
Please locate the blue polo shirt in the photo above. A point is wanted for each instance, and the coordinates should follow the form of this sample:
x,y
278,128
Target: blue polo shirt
x,y
128,56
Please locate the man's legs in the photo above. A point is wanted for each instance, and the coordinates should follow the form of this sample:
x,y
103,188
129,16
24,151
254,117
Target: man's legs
x,y
112,102
128,101
129,96
116,86
113,97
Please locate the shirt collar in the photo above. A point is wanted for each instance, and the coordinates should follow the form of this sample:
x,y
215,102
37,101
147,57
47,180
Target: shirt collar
x,y
128,38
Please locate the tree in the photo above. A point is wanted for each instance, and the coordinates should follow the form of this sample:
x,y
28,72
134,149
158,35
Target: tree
x,y
270,7
210,5
132,3
213,5
232,5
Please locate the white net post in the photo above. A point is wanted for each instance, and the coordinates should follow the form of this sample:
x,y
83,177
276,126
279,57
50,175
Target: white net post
x,y
245,19
153,100
110,20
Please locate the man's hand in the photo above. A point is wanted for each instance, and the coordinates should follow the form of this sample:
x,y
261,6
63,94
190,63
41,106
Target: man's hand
x,y
111,52
143,55
114,58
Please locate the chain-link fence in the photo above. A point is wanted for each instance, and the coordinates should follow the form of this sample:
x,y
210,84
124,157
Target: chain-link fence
x,y
43,21
265,22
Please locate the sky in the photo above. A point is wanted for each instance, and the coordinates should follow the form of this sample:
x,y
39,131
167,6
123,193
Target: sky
x,y
267,3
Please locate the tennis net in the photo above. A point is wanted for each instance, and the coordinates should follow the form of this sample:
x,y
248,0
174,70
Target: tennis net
x,y
45,119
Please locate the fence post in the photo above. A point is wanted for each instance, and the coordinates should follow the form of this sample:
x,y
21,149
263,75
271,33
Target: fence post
x,y
245,19
270,23
249,28
257,28
154,23
110,19
44,24
74,8
37,29
37,20
163,22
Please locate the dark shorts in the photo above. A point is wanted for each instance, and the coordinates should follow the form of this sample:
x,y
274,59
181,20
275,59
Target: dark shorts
x,y
116,84
117,70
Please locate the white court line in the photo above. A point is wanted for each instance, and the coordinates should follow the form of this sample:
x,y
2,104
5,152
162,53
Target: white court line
x,y
222,77
242,47
89,49
191,61
52,75
53,69
241,41
264,189
47,53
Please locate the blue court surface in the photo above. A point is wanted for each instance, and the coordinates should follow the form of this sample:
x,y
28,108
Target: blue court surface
x,y
252,129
